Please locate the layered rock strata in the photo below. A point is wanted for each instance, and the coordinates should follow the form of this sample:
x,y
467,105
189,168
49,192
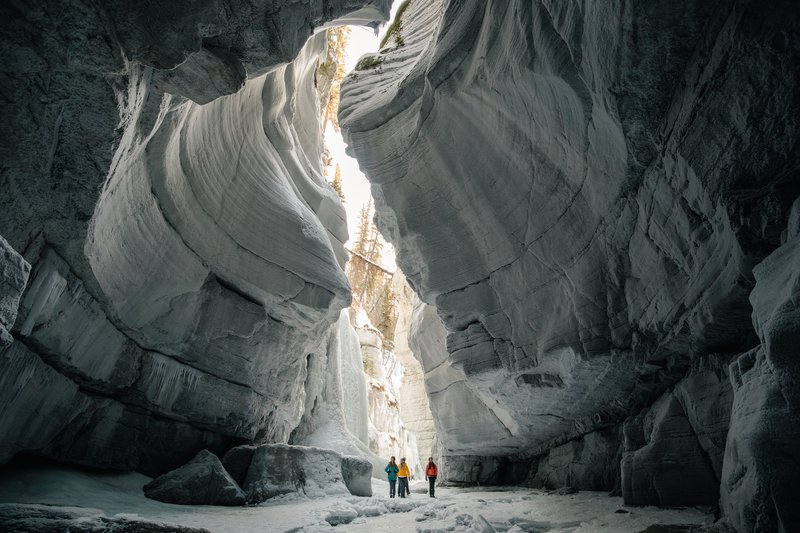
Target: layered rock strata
x,y
581,194
162,178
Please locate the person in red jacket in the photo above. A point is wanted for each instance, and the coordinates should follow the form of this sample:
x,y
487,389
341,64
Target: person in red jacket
x,y
430,474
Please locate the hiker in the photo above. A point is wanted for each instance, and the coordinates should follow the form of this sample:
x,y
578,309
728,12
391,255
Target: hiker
x,y
430,474
404,476
391,471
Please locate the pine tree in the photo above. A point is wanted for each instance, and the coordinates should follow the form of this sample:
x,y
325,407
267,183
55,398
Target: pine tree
x,y
330,74
337,182
388,311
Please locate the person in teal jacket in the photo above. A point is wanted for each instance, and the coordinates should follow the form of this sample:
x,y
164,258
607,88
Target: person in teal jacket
x,y
391,471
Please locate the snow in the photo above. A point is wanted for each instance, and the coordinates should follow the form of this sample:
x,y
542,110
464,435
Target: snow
x,y
454,509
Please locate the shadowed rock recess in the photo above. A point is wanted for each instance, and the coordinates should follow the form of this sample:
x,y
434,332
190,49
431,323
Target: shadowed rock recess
x,y
597,204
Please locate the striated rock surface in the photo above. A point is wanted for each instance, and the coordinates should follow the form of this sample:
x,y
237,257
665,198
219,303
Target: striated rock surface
x,y
580,194
760,470
201,481
14,271
162,178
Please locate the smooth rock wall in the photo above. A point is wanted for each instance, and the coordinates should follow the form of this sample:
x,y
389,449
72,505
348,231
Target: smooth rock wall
x,y
162,178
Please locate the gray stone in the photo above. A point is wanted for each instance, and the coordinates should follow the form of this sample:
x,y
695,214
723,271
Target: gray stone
x,y
237,461
282,469
357,474
663,463
23,518
201,481
760,472
589,463
14,271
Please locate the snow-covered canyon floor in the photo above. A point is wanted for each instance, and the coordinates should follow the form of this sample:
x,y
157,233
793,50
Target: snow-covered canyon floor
x,y
455,509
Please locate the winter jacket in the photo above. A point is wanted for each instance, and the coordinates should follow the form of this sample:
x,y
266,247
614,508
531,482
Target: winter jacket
x,y
404,471
391,470
431,470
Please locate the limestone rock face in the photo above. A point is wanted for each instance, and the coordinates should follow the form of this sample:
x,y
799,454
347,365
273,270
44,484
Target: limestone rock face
x,y
759,485
186,259
14,271
201,481
572,192
589,463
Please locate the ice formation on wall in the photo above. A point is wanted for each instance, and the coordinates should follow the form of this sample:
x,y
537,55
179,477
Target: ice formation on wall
x,y
581,192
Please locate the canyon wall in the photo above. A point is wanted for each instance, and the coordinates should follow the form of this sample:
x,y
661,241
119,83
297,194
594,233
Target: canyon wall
x,y
171,250
594,199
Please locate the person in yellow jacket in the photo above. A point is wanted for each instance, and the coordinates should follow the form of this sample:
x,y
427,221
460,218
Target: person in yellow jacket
x,y
403,477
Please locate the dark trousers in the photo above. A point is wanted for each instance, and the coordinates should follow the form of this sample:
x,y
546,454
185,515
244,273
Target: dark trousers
x,y
431,482
403,488
392,484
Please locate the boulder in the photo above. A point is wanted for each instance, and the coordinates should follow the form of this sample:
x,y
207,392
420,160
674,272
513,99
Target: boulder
x,y
237,461
357,474
201,481
269,470
282,469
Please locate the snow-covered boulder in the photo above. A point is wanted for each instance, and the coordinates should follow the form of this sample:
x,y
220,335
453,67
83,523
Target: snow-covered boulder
x,y
357,474
14,271
201,481
277,469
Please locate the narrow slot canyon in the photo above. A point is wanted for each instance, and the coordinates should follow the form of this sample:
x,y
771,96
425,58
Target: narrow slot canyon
x,y
569,274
